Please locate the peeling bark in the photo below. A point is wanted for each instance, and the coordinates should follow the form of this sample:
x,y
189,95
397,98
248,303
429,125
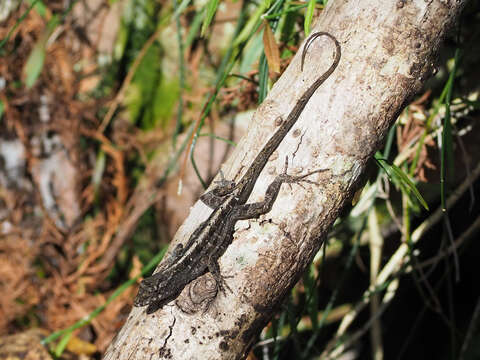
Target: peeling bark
x,y
388,50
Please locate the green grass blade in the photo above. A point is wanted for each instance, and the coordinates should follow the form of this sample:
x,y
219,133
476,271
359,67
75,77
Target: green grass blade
x,y
284,12
34,65
388,144
229,142
40,7
194,27
209,13
194,163
309,16
252,25
447,151
181,76
263,79
24,15
98,171
312,295
179,9
409,184
400,178
62,344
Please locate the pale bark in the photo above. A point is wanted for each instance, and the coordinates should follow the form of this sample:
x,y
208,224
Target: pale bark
x,y
388,50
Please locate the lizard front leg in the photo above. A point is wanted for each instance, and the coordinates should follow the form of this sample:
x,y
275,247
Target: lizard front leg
x,y
248,211
254,210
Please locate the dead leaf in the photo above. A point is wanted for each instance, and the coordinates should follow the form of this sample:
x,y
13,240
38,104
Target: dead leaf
x,y
80,347
271,49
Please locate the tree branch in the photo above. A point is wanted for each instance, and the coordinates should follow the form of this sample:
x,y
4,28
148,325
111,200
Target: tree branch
x,y
387,54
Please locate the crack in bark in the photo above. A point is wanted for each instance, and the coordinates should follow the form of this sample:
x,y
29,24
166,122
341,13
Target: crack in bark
x,y
163,351
298,145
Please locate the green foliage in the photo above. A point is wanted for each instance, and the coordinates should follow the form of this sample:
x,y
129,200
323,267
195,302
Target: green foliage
x,y
309,16
39,7
210,10
152,94
34,65
400,179
447,166
98,171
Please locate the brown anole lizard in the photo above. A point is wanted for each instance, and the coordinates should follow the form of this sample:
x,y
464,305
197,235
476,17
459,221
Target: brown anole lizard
x,y
228,200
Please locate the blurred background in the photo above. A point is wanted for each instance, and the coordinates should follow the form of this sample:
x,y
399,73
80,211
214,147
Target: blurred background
x,y
100,104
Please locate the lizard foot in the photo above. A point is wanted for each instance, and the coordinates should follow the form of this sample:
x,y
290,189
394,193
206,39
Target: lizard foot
x,y
290,179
